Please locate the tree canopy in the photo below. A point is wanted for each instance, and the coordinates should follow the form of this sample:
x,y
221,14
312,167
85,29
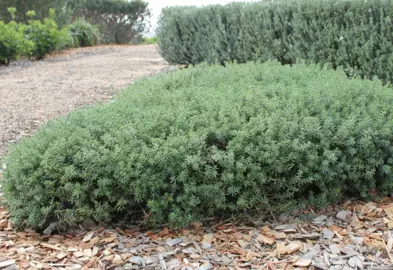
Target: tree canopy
x,y
119,20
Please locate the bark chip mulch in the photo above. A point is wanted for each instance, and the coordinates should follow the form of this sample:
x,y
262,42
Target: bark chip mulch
x,y
355,236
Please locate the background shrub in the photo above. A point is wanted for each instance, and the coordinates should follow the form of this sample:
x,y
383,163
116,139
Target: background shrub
x,y
84,33
353,34
13,43
119,21
41,7
205,141
150,40
46,36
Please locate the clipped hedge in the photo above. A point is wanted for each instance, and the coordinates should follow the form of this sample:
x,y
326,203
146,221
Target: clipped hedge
x,y
204,141
353,34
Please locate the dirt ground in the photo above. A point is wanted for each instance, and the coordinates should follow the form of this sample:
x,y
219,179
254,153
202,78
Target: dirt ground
x,y
31,92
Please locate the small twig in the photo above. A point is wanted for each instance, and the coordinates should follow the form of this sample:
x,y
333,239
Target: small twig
x,y
258,222
221,223
273,216
387,250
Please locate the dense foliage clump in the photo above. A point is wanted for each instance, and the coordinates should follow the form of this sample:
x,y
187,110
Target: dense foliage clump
x,y
46,36
35,39
63,9
84,33
13,43
353,34
208,140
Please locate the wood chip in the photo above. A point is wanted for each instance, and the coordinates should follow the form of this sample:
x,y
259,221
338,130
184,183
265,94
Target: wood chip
x,y
88,237
286,227
311,236
334,249
327,234
319,219
344,215
50,246
4,264
265,240
61,255
293,247
88,252
25,264
174,242
206,266
279,235
137,260
79,254
280,248
303,263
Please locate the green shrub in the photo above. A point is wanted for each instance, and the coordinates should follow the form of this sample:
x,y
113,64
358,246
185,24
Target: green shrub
x,y
46,36
13,43
84,33
205,141
119,21
151,40
353,34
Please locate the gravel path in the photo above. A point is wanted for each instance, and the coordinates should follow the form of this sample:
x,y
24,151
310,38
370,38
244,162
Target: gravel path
x,y
31,92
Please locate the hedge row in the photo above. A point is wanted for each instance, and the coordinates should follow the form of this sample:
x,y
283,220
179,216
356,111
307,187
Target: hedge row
x,y
205,141
354,34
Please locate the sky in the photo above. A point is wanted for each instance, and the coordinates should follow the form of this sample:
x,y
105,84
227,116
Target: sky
x,y
156,6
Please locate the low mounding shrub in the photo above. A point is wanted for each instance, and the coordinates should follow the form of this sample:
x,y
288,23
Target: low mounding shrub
x,y
353,34
13,43
84,33
204,141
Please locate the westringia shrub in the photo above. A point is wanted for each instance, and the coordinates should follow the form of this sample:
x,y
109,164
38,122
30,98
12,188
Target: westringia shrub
x,y
353,34
206,141
13,43
83,33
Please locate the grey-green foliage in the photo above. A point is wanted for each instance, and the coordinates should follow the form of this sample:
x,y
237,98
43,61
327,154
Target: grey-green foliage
x,y
205,141
354,34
